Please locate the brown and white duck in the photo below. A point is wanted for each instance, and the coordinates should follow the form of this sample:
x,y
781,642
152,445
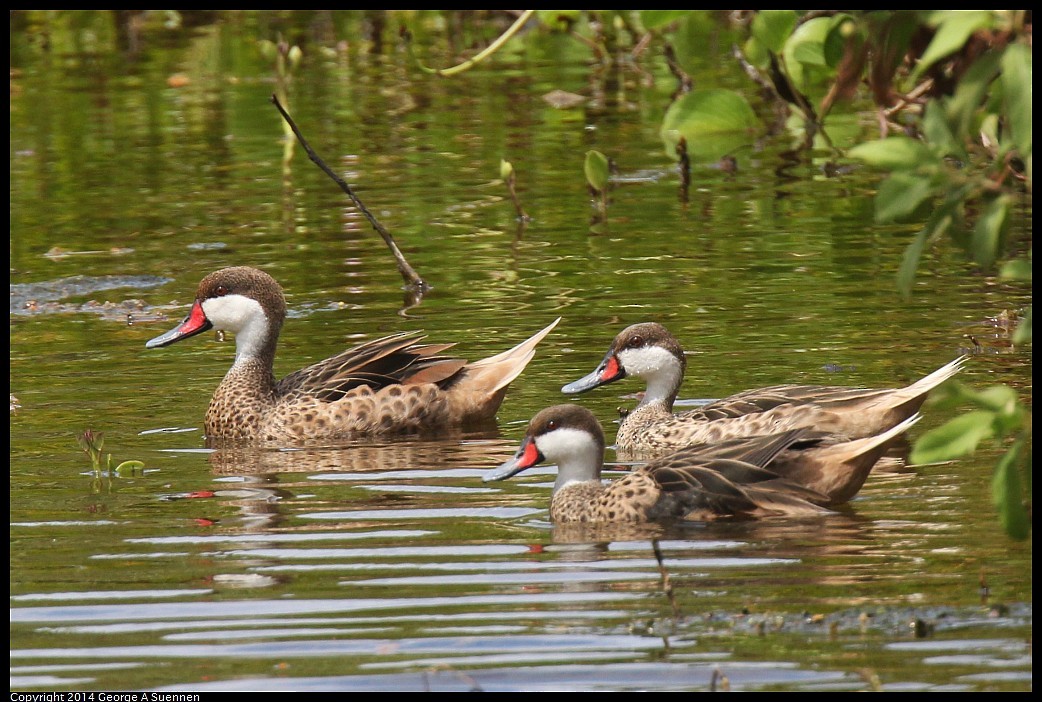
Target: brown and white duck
x,y
649,352
388,385
798,472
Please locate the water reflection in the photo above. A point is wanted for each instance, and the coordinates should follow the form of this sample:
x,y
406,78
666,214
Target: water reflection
x,y
366,456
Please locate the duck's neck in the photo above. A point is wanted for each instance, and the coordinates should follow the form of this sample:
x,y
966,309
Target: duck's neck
x,y
580,466
661,370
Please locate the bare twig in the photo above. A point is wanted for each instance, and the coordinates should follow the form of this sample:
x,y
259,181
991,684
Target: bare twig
x,y
684,165
412,279
684,81
667,585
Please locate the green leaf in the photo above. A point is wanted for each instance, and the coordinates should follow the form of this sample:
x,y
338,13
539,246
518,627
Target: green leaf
x,y
938,132
803,59
1023,333
129,467
294,56
1007,494
971,90
910,262
951,394
1016,270
506,169
990,232
653,19
957,438
1016,84
1000,399
900,195
713,122
842,28
955,28
267,49
596,169
773,27
894,153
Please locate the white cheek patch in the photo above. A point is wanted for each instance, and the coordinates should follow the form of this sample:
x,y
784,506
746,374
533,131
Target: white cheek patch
x,y
576,453
242,316
560,444
648,361
656,366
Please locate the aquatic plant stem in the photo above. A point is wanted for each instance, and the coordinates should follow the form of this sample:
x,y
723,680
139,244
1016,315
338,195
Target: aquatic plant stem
x,y
488,51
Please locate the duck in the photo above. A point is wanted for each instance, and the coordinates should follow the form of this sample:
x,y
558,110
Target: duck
x,y
394,384
650,352
795,473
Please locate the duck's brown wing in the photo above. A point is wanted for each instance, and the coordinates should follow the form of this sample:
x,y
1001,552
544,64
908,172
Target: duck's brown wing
x,y
395,359
694,486
765,399
754,450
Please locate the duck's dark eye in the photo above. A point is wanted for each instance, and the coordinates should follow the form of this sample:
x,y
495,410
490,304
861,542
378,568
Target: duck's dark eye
x,y
220,291
551,425
635,341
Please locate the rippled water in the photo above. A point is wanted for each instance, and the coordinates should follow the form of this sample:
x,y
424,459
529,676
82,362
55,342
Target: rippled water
x,y
389,564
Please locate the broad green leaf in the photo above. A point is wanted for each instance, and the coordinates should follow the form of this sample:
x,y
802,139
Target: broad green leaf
x,y
755,52
1000,399
943,219
938,132
1016,82
772,27
951,394
128,468
713,122
971,90
653,19
804,55
1016,270
842,28
910,262
990,232
1023,333
1007,494
957,438
956,27
596,169
900,195
894,153
294,56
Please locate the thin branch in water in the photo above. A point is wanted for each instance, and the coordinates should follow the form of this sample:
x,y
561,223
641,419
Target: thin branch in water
x,y
667,584
412,279
684,165
684,81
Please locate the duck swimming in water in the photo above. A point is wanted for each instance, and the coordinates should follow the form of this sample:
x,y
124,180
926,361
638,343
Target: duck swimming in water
x,y
798,472
649,352
388,385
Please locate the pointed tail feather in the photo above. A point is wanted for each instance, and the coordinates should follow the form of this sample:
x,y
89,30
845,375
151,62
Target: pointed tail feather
x,y
897,405
509,364
840,470
878,443
483,384
925,385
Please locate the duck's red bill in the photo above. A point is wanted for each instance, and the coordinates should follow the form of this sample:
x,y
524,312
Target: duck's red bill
x,y
195,323
608,371
527,456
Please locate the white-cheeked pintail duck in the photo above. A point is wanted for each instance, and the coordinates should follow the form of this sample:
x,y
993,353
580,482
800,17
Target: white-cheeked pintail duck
x,y
389,385
798,472
649,352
